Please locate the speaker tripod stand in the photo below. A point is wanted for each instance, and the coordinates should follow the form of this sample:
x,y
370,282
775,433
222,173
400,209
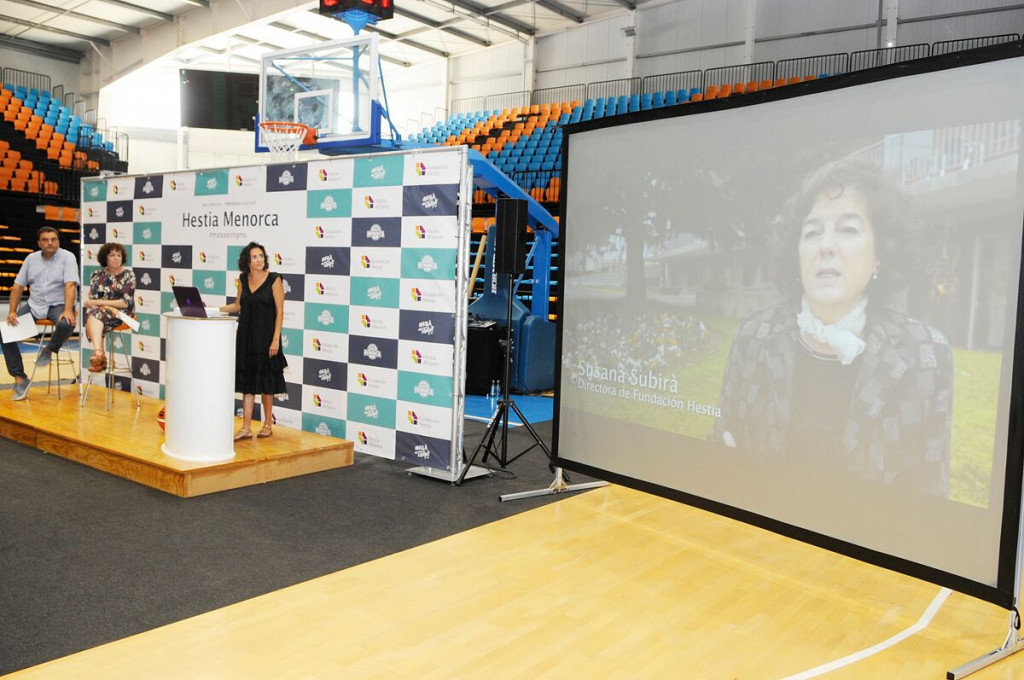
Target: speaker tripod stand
x,y
499,423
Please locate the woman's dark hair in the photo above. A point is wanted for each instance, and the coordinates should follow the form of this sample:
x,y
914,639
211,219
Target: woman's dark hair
x,y
243,257
886,210
108,248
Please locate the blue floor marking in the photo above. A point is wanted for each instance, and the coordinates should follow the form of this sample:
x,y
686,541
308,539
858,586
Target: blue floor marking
x,y
534,409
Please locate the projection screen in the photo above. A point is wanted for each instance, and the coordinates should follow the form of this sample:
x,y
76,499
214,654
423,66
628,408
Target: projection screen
x,y
799,307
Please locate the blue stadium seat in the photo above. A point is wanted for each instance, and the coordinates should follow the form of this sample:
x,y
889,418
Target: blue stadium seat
x,y
657,100
634,102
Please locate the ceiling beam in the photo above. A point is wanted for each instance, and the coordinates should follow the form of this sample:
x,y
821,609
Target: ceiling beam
x,y
429,23
222,53
389,36
60,31
411,43
141,10
197,3
271,47
78,15
320,38
561,10
41,49
486,13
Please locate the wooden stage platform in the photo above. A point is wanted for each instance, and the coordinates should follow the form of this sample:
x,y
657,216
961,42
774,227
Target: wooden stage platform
x,y
125,441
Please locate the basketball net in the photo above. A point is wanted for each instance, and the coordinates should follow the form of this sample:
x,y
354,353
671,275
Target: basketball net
x,y
283,139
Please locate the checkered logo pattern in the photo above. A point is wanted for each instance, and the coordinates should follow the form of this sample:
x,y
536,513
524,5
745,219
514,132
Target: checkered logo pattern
x,y
367,250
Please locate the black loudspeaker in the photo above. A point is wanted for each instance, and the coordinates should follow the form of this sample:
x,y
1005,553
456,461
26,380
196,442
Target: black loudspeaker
x,y
510,236
484,356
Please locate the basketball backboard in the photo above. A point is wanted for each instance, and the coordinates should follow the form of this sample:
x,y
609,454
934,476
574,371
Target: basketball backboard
x,y
331,86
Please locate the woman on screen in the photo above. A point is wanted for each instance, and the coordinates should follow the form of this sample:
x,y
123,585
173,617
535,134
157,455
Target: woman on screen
x,y
832,378
259,361
111,292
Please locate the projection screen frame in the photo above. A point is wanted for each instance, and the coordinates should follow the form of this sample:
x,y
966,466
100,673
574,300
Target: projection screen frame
x,y
1006,592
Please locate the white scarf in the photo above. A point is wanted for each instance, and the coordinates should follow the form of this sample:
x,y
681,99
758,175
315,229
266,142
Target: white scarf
x,y
843,336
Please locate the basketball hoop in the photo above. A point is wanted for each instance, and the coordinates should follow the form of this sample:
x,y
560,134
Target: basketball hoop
x,y
284,138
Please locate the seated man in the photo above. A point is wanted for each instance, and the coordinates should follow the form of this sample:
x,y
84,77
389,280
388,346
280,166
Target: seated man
x,y
52,275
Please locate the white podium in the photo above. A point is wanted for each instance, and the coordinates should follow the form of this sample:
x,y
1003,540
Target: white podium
x,y
200,388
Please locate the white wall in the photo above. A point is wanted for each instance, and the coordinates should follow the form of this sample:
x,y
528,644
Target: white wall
x,y
494,70
416,95
683,35
955,28
60,72
149,98
585,54
146,105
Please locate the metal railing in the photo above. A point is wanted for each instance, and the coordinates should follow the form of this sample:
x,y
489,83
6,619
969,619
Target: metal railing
x,y
680,80
886,56
947,46
821,65
826,64
744,73
509,100
467,105
566,93
27,79
622,87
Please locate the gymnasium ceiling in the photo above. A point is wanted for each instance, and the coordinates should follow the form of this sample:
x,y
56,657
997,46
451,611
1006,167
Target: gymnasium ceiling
x,y
421,30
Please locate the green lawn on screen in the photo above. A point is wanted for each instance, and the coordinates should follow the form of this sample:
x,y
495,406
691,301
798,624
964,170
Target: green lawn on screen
x,y
974,408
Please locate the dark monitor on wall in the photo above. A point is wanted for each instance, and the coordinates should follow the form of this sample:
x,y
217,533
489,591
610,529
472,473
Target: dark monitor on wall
x,y
218,100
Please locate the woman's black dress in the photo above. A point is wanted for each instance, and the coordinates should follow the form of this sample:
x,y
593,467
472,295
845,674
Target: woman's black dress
x,y
256,372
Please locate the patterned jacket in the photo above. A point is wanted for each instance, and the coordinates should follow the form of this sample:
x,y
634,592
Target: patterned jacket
x,y
898,423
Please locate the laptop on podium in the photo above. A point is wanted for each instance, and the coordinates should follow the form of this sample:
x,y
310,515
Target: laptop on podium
x,y
190,302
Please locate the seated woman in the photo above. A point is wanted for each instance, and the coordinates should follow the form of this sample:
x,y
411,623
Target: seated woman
x,y
111,289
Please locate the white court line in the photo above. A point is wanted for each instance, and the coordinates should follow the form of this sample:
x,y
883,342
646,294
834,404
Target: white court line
x,y
921,624
482,419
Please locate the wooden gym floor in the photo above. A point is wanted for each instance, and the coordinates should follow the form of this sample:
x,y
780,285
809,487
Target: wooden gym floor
x,y
611,583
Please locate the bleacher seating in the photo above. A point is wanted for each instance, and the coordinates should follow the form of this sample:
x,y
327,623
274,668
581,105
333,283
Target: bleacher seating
x,y
525,142
44,151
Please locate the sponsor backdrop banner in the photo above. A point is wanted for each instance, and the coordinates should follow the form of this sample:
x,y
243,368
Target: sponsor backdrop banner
x,y
368,249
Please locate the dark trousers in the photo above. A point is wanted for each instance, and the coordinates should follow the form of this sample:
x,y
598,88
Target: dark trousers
x,y
61,332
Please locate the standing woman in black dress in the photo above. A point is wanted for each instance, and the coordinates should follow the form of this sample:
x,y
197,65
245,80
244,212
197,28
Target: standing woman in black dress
x,y
259,361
